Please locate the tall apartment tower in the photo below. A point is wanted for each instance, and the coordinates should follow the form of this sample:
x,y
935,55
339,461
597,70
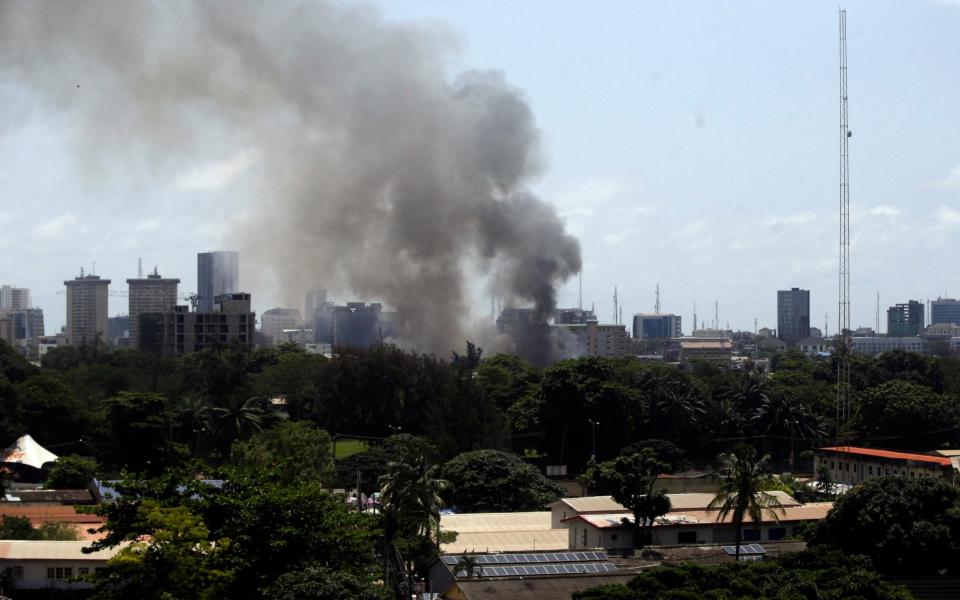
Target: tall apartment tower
x,y
153,294
945,310
14,298
793,315
87,309
218,273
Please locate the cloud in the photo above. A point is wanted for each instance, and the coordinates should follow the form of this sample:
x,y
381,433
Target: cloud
x,y
58,226
214,175
948,216
885,210
952,180
791,219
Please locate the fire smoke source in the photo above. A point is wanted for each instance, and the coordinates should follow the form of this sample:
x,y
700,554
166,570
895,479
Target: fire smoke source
x,y
378,172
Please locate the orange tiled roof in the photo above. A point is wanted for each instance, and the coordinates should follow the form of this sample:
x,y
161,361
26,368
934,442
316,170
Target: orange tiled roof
x,y
940,460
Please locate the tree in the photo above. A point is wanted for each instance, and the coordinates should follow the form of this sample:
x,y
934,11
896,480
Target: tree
x,y
71,472
743,480
830,576
905,526
631,479
177,560
318,582
497,481
297,450
236,420
138,431
20,528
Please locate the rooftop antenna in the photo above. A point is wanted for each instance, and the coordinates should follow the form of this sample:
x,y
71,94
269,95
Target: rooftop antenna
x,y
614,304
878,314
94,271
755,330
81,272
620,322
826,331
656,306
580,291
694,316
843,324
139,268
716,314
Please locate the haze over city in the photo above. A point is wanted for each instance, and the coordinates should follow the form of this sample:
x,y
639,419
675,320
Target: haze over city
x,y
692,146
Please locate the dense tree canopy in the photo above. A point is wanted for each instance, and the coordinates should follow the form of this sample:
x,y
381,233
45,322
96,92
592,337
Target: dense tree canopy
x,y
799,576
495,481
904,526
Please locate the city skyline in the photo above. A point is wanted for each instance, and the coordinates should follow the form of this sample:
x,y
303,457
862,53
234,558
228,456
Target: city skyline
x,y
681,178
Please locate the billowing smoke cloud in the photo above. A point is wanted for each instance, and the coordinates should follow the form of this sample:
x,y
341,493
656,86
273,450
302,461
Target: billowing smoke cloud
x,y
378,172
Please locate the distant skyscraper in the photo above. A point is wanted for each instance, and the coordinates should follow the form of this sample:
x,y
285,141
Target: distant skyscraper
x,y
275,320
905,320
151,295
87,309
945,310
14,298
314,302
217,273
793,315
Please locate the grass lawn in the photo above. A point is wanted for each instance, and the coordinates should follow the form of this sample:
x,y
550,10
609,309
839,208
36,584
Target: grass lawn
x,y
344,447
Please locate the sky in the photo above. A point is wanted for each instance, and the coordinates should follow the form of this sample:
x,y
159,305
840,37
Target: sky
x,y
692,145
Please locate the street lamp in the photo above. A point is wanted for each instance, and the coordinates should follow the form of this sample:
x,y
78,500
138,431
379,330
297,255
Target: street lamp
x,y
593,427
394,429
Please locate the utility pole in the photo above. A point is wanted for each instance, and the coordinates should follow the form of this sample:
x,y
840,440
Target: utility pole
x,y
843,324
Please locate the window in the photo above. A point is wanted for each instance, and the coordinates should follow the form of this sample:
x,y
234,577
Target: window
x,y
67,572
870,470
751,535
613,537
687,537
777,533
50,573
832,465
83,571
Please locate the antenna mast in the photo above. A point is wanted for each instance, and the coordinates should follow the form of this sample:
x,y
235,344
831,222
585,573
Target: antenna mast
x,y
843,325
877,332
694,318
656,306
716,314
580,290
614,304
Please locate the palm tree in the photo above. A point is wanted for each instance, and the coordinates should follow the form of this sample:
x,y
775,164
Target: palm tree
x,y
784,414
743,480
238,419
410,491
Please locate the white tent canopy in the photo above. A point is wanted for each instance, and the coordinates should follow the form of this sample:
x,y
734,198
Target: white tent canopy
x,y
26,451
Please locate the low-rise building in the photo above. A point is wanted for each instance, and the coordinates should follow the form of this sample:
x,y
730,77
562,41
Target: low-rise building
x,y
710,349
589,339
878,345
698,526
814,346
851,465
35,565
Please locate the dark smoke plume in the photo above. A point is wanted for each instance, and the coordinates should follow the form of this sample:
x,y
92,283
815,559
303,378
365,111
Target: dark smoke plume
x,y
379,173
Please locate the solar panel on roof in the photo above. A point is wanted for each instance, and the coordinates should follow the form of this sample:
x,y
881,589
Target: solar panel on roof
x,y
450,560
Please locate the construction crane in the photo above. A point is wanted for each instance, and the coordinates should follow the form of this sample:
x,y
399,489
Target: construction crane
x,y
843,322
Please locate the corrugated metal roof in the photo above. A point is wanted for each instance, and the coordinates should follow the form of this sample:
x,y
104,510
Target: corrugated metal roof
x,y
813,511
44,512
485,522
606,504
939,460
509,541
41,550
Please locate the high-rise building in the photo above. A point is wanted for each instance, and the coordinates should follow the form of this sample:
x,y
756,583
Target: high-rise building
x,y
152,294
274,321
180,331
905,320
588,339
793,315
572,316
656,326
87,297
118,331
218,273
14,298
945,310
28,323
314,302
